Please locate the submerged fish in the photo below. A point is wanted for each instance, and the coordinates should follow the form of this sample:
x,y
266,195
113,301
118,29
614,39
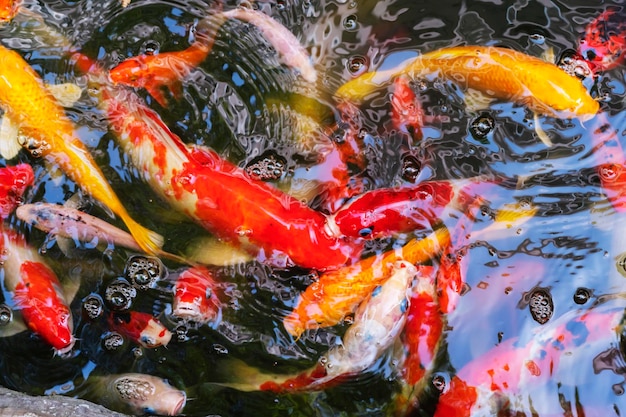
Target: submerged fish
x,y
497,72
604,42
407,114
337,293
195,295
51,135
135,393
142,328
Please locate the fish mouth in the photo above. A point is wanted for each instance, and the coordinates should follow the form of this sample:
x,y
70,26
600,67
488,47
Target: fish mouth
x,y
65,351
179,405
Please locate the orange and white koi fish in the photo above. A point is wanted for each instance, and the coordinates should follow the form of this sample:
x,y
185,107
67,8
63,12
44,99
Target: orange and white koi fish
x,y
338,293
500,73
516,365
195,296
142,328
51,135
35,288
219,195
385,211
134,393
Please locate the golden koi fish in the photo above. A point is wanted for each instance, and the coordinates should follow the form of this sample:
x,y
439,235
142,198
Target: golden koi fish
x,y
51,135
500,73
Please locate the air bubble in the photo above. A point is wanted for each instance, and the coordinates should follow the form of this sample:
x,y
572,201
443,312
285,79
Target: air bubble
x,y
6,315
112,341
482,126
411,168
143,272
541,305
357,65
120,295
582,295
93,306
350,23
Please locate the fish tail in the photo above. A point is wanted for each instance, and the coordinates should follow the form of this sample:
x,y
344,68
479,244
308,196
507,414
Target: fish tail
x,y
149,241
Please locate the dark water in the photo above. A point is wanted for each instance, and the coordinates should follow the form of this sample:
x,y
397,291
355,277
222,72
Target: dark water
x,y
568,249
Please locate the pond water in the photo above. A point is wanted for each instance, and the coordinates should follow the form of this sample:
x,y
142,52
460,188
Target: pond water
x,y
241,102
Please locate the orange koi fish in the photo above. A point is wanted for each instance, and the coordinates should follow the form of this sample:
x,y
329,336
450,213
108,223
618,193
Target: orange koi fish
x,y
338,293
134,393
195,296
36,290
500,73
51,135
8,10
142,328
385,211
514,365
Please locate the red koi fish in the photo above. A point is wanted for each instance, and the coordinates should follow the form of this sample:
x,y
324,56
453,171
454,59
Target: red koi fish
x,y
515,365
338,293
603,44
8,10
36,290
382,212
142,328
195,296
407,114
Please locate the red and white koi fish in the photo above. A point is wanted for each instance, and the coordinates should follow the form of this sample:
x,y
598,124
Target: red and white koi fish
x,y
603,44
338,293
516,365
35,288
134,393
420,340
195,296
382,212
51,135
219,195
141,328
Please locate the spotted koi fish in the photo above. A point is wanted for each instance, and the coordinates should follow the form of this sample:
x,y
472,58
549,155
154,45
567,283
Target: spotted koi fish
x,y
603,44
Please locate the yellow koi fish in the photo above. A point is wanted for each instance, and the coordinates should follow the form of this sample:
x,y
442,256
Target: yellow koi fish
x,y
499,73
51,135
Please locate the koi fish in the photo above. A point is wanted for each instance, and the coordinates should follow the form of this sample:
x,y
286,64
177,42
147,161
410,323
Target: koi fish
x,y
135,393
603,44
407,114
8,10
216,193
420,340
382,212
377,324
515,365
70,223
164,70
500,73
51,135
337,293
195,296
141,328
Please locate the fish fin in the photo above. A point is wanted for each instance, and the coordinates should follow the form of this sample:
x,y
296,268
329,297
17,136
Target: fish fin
x,y
9,144
211,251
156,93
476,101
541,134
66,245
176,88
66,94
548,55
148,240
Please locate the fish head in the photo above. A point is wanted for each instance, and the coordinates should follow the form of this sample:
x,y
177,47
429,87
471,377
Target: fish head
x,y
195,296
13,183
149,394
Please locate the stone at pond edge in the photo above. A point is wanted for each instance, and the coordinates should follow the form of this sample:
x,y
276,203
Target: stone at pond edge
x,y
13,403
